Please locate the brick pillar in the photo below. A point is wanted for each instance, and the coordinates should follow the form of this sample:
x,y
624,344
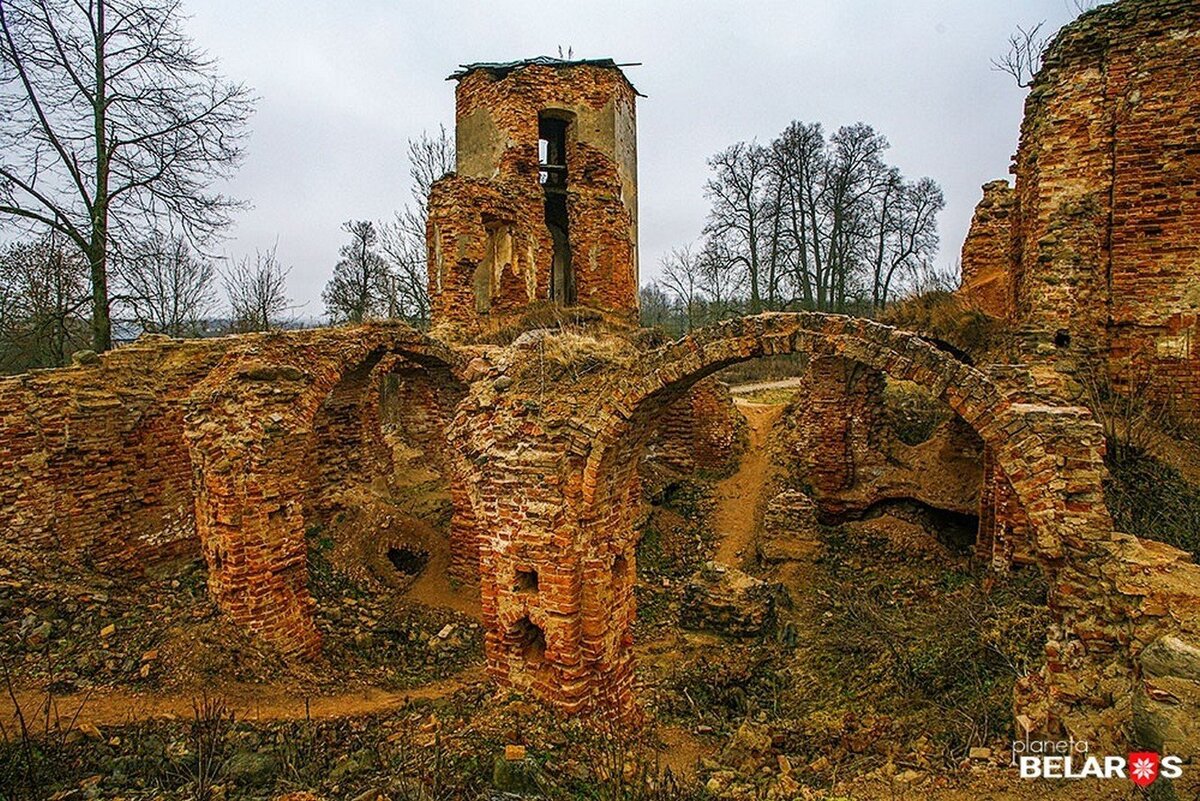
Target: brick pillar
x,y
556,559
530,572
838,421
249,515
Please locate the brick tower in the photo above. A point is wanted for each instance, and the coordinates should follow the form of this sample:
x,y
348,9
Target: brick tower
x,y
542,208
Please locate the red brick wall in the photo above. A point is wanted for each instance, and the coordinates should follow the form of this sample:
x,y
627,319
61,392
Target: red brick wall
x,y
93,464
278,422
988,251
700,431
1105,272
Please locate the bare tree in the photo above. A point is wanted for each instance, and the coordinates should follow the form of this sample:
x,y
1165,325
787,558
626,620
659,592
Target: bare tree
x,y
721,280
737,191
168,288
1023,58
904,232
681,277
655,307
43,292
112,122
361,281
810,222
257,292
403,238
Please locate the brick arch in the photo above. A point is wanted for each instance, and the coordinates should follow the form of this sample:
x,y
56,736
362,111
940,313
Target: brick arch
x,y
1053,456
250,432
1026,438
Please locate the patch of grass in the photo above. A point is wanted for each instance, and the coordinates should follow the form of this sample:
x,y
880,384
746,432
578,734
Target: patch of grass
x,y
886,648
722,686
941,316
1149,498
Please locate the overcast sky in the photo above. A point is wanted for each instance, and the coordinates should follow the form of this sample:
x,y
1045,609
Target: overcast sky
x,y
343,86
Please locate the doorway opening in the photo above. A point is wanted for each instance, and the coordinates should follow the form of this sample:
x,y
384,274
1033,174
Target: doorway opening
x,y
552,173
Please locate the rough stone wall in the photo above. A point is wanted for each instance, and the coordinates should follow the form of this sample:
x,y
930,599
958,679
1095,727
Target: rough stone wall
x,y
988,250
490,250
1003,525
837,436
567,634
837,426
1105,272
93,465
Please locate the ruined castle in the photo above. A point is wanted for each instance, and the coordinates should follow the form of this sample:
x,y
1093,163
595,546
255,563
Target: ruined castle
x,y
233,447
1091,258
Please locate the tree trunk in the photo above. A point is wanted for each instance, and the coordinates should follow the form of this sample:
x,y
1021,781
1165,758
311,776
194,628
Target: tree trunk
x,y
101,324
98,252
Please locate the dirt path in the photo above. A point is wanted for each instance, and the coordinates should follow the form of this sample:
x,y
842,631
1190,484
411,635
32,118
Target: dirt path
x,y
115,706
783,383
738,497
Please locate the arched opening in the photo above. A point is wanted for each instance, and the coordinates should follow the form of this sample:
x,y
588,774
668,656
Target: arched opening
x,y
554,131
381,525
527,640
289,452
1023,444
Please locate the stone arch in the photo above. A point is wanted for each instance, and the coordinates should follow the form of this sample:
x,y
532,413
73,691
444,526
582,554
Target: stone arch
x,y
250,433
1052,455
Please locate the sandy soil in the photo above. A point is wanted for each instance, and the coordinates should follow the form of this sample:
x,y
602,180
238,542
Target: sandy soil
x,y
739,497
114,707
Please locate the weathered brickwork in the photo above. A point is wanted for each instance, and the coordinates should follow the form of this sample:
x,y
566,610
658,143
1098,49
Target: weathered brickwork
x,y
549,486
988,251
837,426
1003,526
491,250
1104,273
567,635
240,444
700,431
276,418
92,459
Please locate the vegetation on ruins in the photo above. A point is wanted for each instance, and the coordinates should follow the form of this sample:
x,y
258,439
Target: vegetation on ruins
x,y
114,123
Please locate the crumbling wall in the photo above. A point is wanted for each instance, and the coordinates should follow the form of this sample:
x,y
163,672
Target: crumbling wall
x,y
835,424
1103,277
1003,538
557,557
490,250
988,250
837,438
93,464
701,431
253,427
